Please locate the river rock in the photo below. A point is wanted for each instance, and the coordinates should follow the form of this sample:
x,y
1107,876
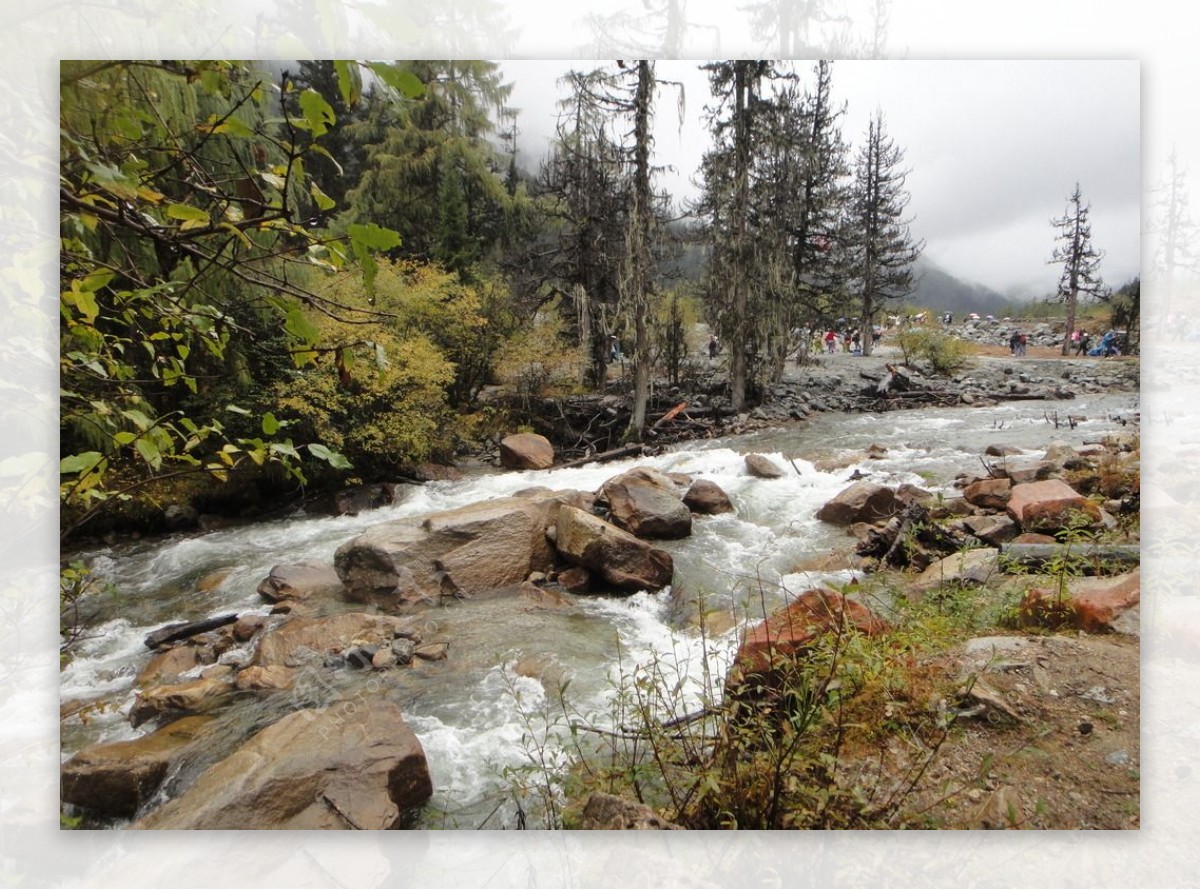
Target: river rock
x,y
647,511
301,641
300,580
361,498
861,502
118,778
763,467
355,765
575,579
1091,604
188,697
994,530
991,494
972,567
607,812
168,665
474,549
645,475
705,496
265,677
526,451
1049,506
611,553
788,631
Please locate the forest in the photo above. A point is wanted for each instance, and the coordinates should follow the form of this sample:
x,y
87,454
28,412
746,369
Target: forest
x,y
288,277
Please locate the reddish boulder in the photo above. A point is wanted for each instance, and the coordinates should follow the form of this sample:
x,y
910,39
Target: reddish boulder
x,y
790,630
526,451
1090,604
991,494
1050,505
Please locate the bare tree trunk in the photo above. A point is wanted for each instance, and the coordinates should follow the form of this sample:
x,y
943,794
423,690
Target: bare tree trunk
x,y
639,250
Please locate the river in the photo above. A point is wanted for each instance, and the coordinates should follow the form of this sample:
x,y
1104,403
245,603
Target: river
x,y
494,707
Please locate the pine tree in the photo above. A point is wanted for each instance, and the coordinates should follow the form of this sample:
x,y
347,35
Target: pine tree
x,y
1079,259
881,250
735,289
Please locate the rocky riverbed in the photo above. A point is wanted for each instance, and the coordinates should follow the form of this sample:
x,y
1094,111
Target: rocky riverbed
x,y
355,641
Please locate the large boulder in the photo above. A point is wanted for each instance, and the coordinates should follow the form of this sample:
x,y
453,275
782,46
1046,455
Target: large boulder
x,y
352,765
526,451
473,549
1049,506
300,581
787,632
303,641
861,502
708,498
611,553
647,511
118,778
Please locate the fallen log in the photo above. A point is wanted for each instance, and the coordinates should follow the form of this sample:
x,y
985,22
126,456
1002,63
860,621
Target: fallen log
x,y
1093,557
184,629
615,454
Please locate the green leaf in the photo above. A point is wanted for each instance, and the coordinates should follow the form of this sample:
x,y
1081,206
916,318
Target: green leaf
x,y
186,212
114,181
334,459
324,202
349,81
79,463
149,452
401,80
139,418
270,426
317,112
300,326
373,237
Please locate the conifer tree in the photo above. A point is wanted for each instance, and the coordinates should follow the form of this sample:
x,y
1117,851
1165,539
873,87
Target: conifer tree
x,y
881,250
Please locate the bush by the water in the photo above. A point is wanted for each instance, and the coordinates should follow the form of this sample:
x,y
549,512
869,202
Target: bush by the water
x,y
943,353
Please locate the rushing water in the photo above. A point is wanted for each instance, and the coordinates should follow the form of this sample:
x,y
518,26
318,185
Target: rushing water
x,y
494,704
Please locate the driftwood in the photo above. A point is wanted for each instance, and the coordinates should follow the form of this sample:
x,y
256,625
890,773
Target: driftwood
x,y
184,629
1019,396
1037,556
604,456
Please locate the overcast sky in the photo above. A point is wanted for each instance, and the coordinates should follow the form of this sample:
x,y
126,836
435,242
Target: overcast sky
x,y
994,149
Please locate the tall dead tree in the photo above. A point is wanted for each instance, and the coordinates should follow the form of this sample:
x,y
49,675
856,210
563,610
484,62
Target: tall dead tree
x,y
1079,259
